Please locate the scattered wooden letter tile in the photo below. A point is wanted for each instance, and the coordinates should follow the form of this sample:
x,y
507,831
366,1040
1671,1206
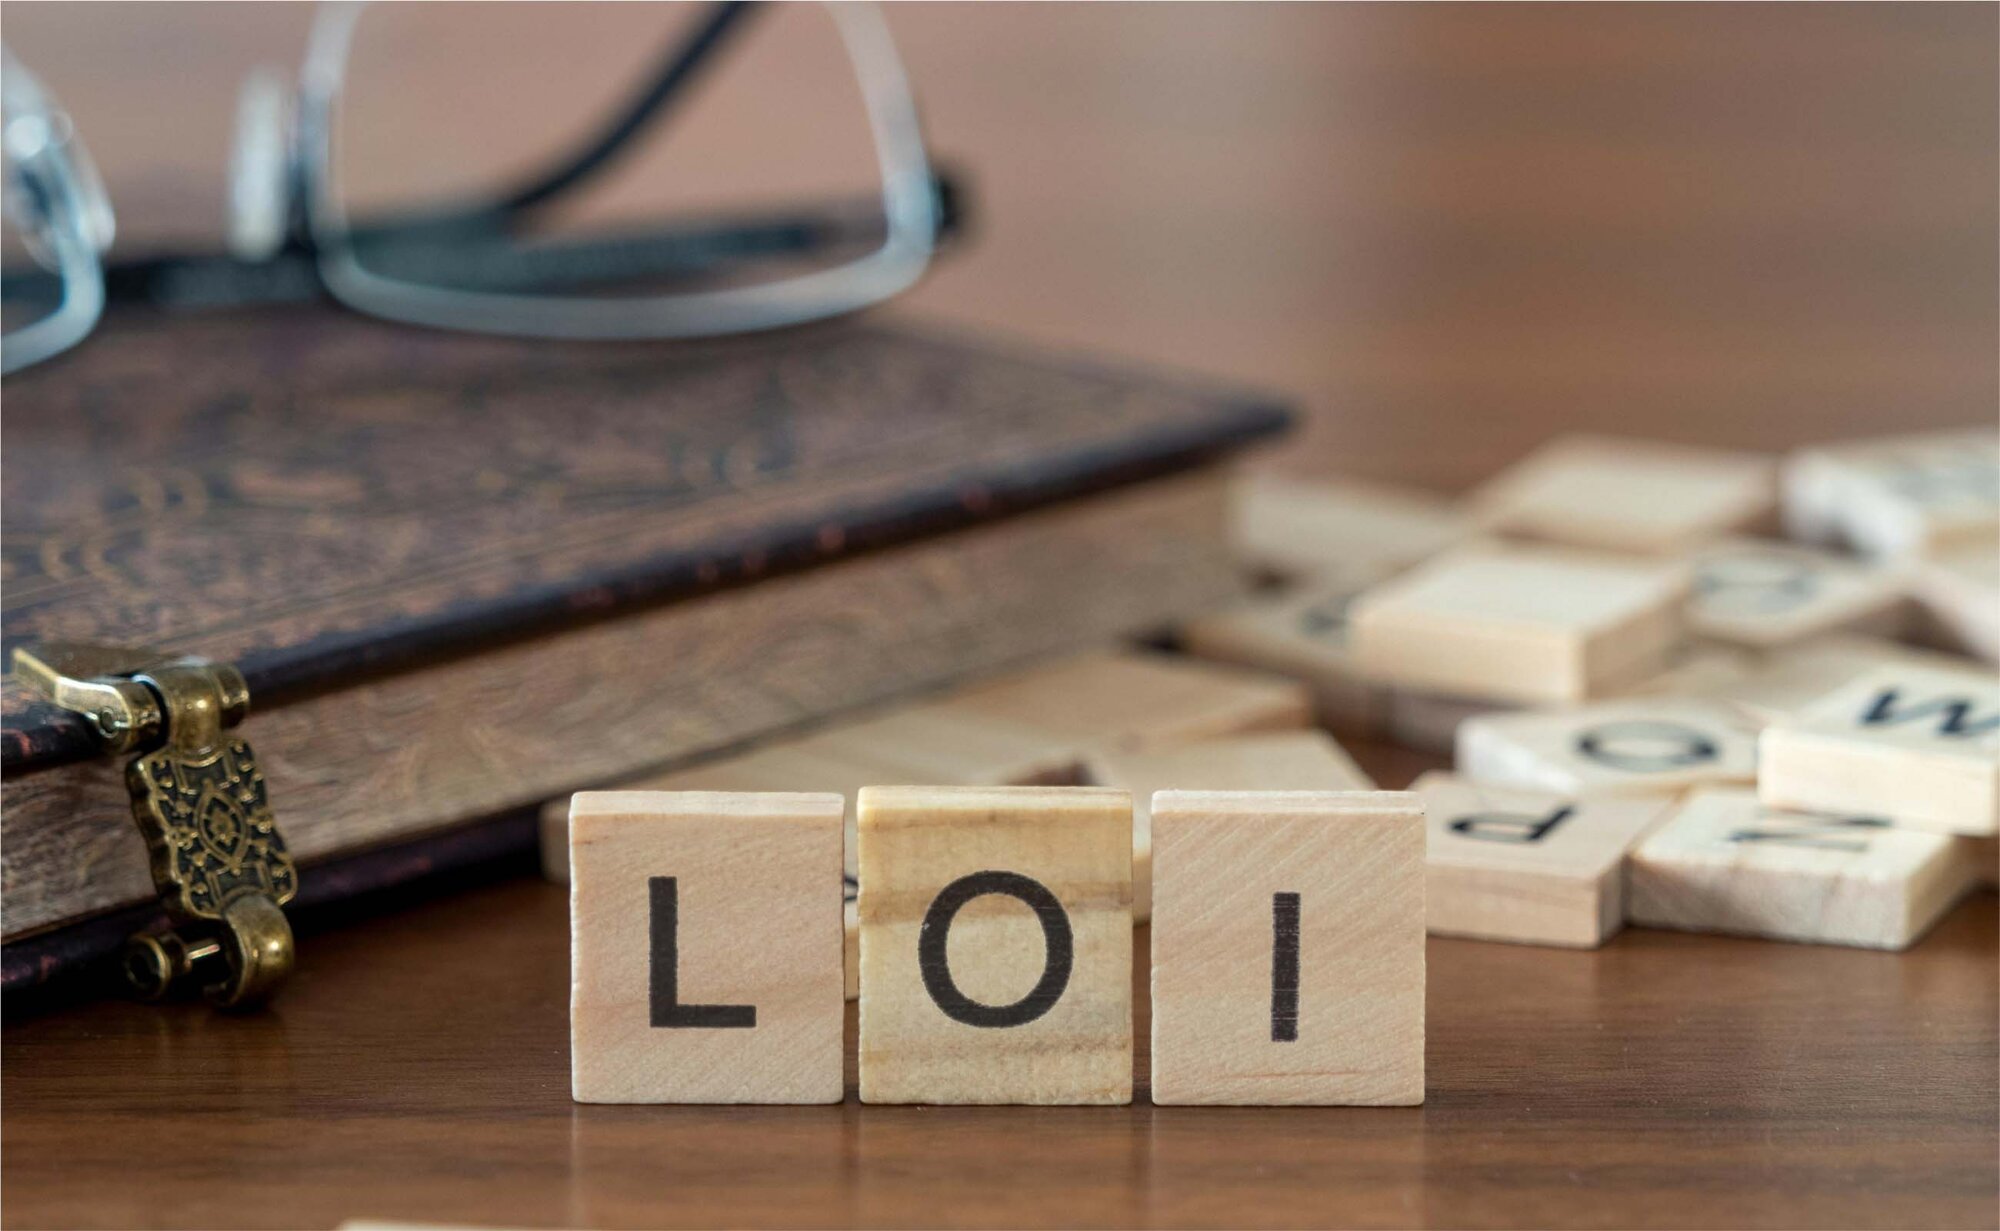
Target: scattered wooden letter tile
x,y
1643,746
1286,761
1698,669
1628,495
705,948
1897,495
996,945
1521,624
1960,591
1428,721
1134,701
1722,862
1343,528
1763,595
1288,947
1302,634
1528,866
1786,680
948,745
1917,745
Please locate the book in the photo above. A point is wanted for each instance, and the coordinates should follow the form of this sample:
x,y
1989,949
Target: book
x,y
463,575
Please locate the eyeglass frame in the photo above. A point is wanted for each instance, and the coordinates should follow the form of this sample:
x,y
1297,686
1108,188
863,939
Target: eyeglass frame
x,y
319,248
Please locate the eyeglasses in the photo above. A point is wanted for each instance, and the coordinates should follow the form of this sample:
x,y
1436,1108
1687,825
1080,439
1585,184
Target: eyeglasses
x,y
485,263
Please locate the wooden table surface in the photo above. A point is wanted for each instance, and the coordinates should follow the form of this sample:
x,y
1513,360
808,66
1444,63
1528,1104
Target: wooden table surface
x,y
1447,233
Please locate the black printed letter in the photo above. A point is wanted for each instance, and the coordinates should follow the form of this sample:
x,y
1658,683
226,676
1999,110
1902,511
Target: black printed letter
x,y
1954,714
1642,746
1284,968
1509,826
668,1011
935,963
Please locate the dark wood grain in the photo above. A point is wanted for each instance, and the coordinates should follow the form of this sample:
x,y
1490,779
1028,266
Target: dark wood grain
x,y
1448,232
418,1069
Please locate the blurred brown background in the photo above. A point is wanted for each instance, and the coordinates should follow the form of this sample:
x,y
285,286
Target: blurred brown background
x,y
1732,224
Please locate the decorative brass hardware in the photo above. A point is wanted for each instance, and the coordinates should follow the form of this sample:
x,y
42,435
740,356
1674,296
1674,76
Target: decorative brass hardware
x,y
218,860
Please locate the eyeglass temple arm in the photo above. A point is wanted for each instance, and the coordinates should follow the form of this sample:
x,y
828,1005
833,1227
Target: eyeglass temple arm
x,y
676,70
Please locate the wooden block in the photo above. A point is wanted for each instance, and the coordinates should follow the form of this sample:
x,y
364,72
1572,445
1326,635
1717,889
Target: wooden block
x,y
1339,527
1785,681
1643,746
1520,624
930,743
1628,495
1722,862
1528,866
705,948
1302,634
1960,592
1429,721
1897,495
1698,669
1764,595
996,945
947,745
1133,701
1288,948
1288,761
1919,746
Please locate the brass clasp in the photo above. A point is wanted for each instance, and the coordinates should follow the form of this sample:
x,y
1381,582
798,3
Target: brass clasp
x,y
218,860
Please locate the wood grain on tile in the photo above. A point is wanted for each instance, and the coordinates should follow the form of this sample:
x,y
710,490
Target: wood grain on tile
x,y
1723,862
996,945
706,950
1520,623
1284,761
1628,495
1528,866
1288,948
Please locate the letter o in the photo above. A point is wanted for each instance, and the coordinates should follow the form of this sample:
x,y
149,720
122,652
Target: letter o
x,y
935,963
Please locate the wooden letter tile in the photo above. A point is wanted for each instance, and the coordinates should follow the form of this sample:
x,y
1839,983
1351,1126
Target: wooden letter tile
x,y
1341,528
1134,701
1288,948
1960,591
1287,761
1916,745
1628,495
1764,595
1303,635
705,948
1785,681
1528,866
1520,624
1724,863
1643,746
996,945
1898,495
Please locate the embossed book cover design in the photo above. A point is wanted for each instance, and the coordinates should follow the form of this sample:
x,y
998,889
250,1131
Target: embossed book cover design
x,y
330,503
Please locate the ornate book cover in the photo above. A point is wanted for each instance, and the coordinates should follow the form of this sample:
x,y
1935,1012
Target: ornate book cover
x,y
384,528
